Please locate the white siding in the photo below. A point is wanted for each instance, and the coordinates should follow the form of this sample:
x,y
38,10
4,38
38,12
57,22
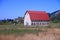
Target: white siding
x,y
27,20
40,23
45,23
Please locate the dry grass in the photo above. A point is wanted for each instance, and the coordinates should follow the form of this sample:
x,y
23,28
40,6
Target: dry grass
x,y
51,34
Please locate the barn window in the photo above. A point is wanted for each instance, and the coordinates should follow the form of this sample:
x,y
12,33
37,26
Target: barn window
x,y
43,23
40,23
32,23
47,23
37,23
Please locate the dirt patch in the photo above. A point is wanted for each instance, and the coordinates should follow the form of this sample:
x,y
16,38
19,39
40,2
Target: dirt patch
x,y
7,37
42,36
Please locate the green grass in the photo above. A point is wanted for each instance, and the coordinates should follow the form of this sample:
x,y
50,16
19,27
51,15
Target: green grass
x,y
19,31
52,25
55,25
12,26
12,29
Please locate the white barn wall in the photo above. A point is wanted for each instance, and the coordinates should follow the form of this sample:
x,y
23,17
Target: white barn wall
x,y
27,19
45,23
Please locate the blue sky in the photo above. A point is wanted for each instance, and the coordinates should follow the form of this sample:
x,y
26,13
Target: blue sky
x,y
14,8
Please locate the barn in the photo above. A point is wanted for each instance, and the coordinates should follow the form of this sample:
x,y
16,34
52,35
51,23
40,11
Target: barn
x,y
36,18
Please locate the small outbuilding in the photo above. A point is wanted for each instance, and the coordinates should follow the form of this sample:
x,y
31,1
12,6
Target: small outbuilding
x,y
36,18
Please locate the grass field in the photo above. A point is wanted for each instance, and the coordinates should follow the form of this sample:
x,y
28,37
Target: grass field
x,y
19,32
52,25
20,29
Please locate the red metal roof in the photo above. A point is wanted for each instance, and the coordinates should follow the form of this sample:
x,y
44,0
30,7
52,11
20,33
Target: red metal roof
x,y
38,15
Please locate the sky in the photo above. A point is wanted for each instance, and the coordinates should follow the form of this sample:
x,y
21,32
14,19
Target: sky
x,y
10,9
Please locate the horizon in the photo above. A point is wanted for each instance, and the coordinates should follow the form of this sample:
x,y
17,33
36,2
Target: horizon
x,y
10,9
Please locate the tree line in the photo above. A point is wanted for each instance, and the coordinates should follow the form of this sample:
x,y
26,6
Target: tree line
x,y
11,21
